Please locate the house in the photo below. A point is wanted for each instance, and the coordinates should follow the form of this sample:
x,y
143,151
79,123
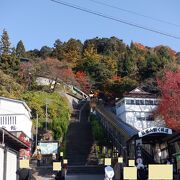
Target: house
x,y
15,116
9,154
137,107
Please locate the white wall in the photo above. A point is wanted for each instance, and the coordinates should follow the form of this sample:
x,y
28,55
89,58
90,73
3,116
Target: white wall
x,y
11,166
1,163
130,112
44,81
15,117
134,107
12,107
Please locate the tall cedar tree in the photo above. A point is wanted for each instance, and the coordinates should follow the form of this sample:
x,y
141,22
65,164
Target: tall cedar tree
x,y
5,43
169,106
9,63
20,49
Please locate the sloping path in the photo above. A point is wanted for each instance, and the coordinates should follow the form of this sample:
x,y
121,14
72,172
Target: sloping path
x,y
79,138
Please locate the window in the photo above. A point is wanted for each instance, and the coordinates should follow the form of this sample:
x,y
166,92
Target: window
x,y
140,118
5,120
130,101
141,102
150,118
148,102
9,119
137,102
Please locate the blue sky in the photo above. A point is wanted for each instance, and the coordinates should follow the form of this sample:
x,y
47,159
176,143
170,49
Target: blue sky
x,y
41,22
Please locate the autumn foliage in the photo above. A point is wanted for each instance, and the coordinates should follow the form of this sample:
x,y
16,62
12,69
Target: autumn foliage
x,y
56,70
83,80
169,106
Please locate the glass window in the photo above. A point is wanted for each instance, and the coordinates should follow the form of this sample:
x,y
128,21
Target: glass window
x,y
130,101
140,118
149,102
150,118
137,102
141,102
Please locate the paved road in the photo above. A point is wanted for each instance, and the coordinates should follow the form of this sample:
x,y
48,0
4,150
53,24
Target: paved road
x,y
46,174
75,177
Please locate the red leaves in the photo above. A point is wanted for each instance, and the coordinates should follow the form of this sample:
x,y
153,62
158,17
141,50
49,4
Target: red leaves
x,y
56,70
83,80
169,106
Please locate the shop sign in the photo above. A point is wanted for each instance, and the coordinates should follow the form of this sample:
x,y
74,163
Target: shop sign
x,y
22,137
154,130
138,151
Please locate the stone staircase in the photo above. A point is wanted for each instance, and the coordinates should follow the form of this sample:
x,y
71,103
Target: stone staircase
x,y
85,170
79,141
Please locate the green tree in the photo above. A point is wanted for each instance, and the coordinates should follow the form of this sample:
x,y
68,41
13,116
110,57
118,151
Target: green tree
x,y
58,111
9,63
5,43
58,50
20,49
9,87
45,52
178,58
72,51
98,131
126,84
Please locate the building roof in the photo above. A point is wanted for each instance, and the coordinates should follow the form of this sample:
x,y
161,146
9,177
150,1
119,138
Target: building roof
x,y
11,141
138,92
17,101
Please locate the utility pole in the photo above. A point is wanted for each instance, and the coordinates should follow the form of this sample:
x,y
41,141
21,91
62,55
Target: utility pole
x,y
46,115
36,129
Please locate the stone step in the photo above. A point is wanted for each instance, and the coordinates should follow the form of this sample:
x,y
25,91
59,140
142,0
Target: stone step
x,y
85,170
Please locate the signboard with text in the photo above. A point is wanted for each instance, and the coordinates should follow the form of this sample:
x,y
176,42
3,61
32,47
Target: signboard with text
x,y
138,156
154,130
48,147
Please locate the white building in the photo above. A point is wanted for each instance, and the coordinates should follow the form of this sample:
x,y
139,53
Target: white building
x,y
9,154
136,109
15,116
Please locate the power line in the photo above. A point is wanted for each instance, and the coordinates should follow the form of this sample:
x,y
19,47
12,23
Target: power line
x,y
135,13
114,19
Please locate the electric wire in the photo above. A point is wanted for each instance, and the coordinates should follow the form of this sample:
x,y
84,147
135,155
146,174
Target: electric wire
x,y
114,19
135,13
